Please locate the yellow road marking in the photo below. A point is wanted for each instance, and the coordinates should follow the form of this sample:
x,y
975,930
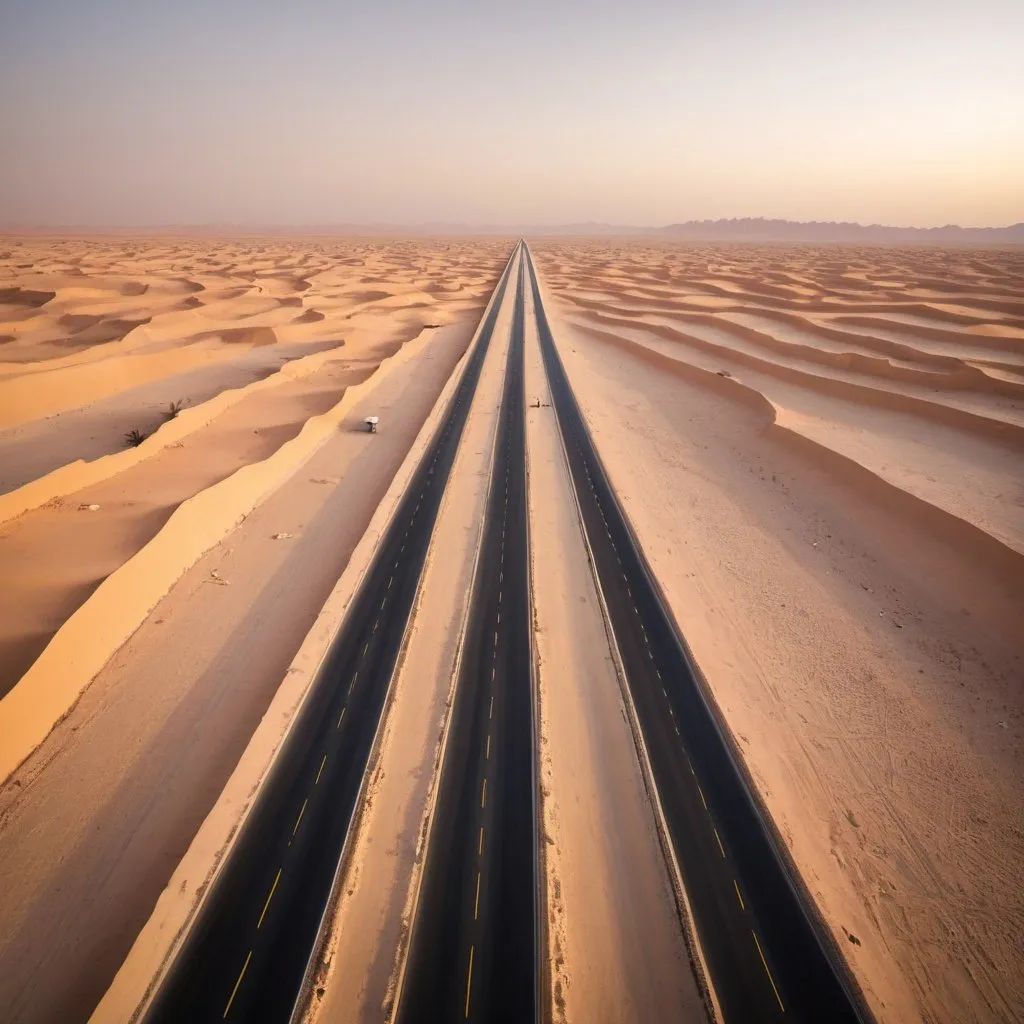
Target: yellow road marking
x,y
476,904
270,896
469,979
319,773
488,754
299,818
234,991
480,845
721,848
490,713
483,794
768,972
739,895
340,717
702,800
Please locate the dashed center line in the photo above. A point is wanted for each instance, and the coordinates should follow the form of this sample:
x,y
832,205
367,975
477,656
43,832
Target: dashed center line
x,y
302,811
469,980
778,998
721,848
270,896
234,991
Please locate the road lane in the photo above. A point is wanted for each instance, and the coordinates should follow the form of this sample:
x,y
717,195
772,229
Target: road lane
x,y
765,950
247,953
473,949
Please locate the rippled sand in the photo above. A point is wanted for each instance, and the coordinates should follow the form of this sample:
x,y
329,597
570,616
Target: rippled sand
x,y
822,452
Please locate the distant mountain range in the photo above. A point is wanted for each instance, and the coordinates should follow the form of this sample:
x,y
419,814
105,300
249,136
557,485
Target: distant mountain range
x,y
760,229
743,229
757,229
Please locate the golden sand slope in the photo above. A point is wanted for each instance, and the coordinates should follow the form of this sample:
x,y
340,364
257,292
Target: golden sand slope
x,y
821,450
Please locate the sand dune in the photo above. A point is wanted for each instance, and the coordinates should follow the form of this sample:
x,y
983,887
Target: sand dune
x,y
64,399
930,408
820,451
269,445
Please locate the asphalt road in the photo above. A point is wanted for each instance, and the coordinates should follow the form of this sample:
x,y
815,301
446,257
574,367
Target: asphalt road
x,y
767,953
247,953
473,949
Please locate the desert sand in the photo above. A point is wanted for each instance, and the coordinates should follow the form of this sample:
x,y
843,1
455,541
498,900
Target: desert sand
x,y
201,532
820,451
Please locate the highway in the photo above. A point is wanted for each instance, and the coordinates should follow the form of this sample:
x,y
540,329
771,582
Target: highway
x,y
246,955
766,952
473,948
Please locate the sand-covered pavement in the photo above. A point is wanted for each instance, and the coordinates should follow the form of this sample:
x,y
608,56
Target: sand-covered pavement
x,y
162,622
821,452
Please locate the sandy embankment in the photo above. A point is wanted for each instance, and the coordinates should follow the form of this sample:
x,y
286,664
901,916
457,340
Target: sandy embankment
x,y
860,634
83,839
370,929
615,941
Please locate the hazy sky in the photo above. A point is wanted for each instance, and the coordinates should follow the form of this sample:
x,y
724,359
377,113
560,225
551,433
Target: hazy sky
x,y
534,111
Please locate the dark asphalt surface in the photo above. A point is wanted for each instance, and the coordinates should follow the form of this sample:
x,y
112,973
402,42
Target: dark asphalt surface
x,y
473,951
766,952
246,955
